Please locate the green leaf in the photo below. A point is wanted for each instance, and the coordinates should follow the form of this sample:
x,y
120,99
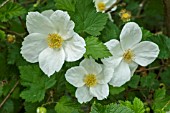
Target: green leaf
x,y
156,14
66,105
111,31
70,88
67,5
60,87
111,108
31,107
159,94
14,55
36,82
87,20
8,107
161,100
137,106
95,48
10,10
2,34
146,33
133,83
149,81
165,77
115,90
164,45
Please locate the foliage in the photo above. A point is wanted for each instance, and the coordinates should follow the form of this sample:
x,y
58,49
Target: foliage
x,y
93,44
31,77
111,108
10,10
24,88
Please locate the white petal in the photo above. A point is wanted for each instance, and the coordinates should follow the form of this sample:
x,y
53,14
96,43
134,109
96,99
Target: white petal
x,y
130,35
100,91
121,75
105,76
133,66
32,45
75,76
37,23
74,48
51,60
145,53
47,13
83,94
112,62
110,3
114,48
91,66
63,25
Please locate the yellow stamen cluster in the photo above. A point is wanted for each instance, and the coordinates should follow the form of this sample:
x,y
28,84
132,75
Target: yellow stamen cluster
x,y
128,56
90,80
101,6
54,40
125,15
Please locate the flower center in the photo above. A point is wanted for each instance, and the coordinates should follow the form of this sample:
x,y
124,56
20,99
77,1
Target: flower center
x,y
101,6
54,40
90,80
128,56
125,15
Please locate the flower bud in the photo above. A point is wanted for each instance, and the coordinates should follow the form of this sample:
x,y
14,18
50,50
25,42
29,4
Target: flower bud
x,y
41,110
11,38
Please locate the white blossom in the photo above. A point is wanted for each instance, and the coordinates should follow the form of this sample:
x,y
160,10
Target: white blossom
x,y
91,80
51,40
129,53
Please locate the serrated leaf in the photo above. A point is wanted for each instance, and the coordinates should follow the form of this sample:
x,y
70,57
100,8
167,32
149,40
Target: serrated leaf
x,y
164,45
137,105
95,48
36,82
111,108
67,5
10,10
150,81
87,20
66,105
111,31
33,94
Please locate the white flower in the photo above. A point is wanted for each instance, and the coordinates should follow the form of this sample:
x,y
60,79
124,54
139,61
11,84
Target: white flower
x,y
51,40
128,53
91,80
103,5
